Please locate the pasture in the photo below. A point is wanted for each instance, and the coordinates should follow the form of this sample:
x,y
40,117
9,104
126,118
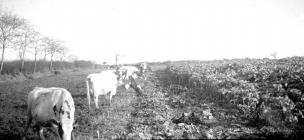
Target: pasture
x,y
161,112
110,121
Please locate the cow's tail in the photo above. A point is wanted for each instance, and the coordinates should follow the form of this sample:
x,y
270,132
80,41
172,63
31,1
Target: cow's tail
x,y
88,91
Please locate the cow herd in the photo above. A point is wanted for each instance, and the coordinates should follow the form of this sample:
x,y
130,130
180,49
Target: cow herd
x,y
54,107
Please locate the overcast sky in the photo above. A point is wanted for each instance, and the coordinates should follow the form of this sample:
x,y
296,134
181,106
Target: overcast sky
x,y
161,30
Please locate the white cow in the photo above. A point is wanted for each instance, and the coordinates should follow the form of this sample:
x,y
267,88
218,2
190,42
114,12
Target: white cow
x,y
143,66
51,107
102,83
136,71
143,69
127,71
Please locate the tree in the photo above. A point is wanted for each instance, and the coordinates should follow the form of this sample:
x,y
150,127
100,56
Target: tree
x,y
72,58
23,42
53,47
9,25
45,41
37,47
62,53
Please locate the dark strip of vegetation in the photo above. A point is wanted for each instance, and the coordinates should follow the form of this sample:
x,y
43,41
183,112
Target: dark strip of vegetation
x,y
13,67
12,71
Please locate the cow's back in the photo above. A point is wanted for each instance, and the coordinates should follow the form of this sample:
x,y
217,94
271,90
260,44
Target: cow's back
x,y
44,102
106,80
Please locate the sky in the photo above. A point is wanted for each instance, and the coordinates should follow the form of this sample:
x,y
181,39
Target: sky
x,y
162,30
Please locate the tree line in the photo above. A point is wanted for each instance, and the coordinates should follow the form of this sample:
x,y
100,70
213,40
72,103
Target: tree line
x,y
20,35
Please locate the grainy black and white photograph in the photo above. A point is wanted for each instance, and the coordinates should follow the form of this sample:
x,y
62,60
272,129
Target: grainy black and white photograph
x,y
161,69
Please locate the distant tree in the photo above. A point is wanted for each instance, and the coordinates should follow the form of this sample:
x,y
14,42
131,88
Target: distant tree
x,y
9,26
62,53
72,58
36,47
45,51
23,42
54,47
45,43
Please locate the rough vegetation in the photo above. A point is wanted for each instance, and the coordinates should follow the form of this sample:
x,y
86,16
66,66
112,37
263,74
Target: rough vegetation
x,y
12,72
245,98
264,94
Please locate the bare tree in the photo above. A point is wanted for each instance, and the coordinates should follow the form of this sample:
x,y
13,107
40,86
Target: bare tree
x,y
62,53
9,25
37,47
23,42
45,51
54,47
46,41
72,58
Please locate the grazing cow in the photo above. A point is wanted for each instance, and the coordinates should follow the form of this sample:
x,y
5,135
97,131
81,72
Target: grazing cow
x,y
51,107
127,71
136,71
102,83
144,68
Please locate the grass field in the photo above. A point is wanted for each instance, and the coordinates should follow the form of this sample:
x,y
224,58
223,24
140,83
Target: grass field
x,y
155,114
109,122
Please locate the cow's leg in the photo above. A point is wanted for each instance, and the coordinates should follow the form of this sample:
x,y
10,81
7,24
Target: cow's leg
x,y
96,100
41,136
28,123
113,92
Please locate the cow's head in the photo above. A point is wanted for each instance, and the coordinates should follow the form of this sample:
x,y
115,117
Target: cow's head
x,y
65,131
66,120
